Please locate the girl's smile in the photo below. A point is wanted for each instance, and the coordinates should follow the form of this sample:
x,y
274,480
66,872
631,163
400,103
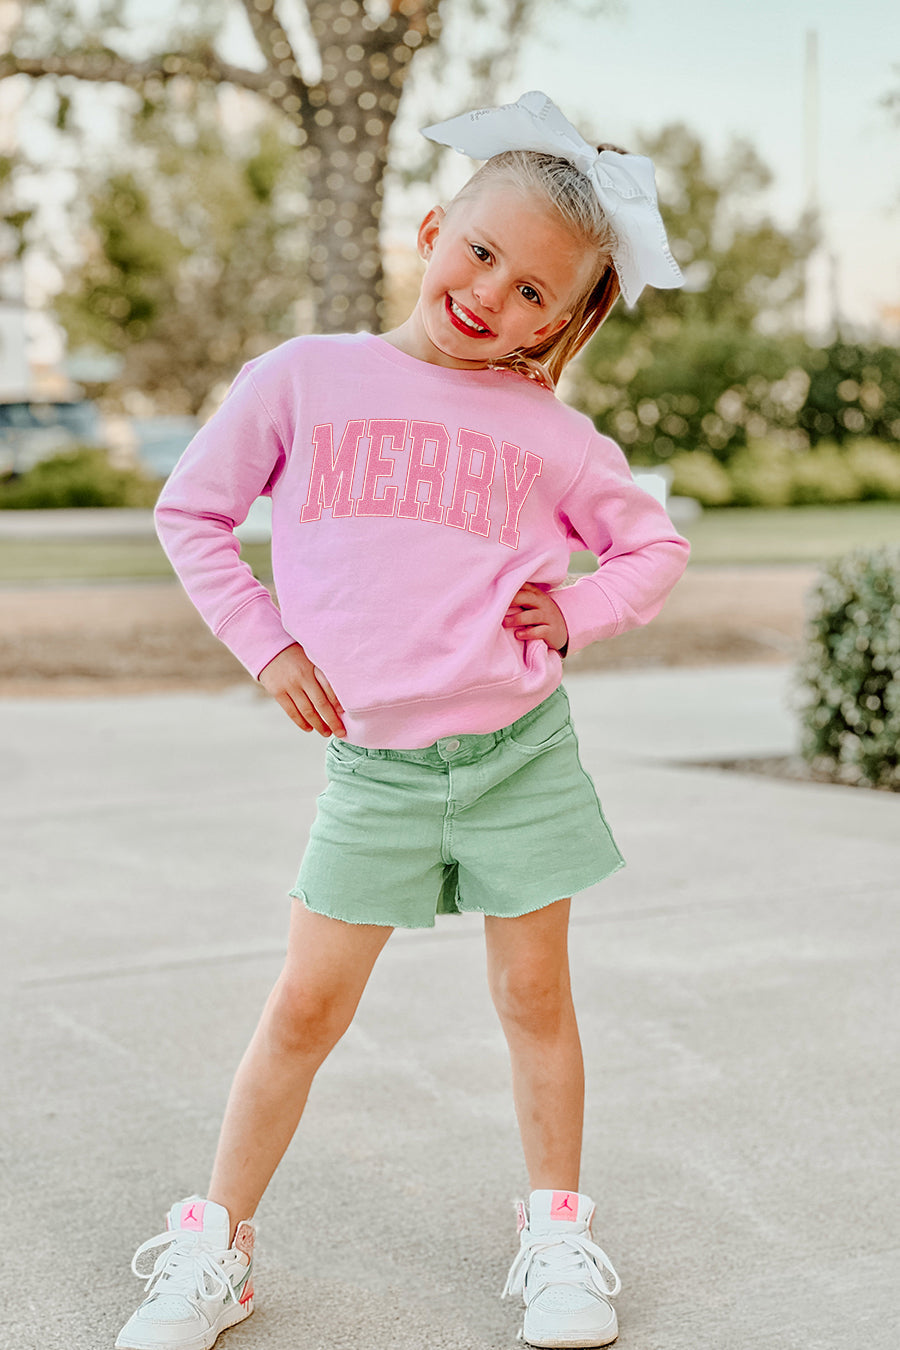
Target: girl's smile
x,y
465,321
503,272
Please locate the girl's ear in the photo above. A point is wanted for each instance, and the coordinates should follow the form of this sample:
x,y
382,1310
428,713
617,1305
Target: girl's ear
x,y
551,329
429,231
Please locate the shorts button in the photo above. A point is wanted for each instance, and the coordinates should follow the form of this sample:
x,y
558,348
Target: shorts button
x,y
451,746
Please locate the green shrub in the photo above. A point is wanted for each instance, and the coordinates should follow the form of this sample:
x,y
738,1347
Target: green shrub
x,y
849,674
699,474
762,475
877,468
854,390
823,475
82,477
771,473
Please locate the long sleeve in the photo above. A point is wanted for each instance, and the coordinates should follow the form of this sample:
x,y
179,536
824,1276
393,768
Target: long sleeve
x,y
235,458
640,553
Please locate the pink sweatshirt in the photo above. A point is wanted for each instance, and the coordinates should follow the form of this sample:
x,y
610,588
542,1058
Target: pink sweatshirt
x,y
409,503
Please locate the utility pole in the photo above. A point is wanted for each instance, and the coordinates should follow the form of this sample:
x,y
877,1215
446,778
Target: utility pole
x,y
835,292
810,166
821,281
811,120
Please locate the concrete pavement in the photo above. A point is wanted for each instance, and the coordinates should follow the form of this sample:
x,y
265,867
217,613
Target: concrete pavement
x,y
738,1003
78,523
107,522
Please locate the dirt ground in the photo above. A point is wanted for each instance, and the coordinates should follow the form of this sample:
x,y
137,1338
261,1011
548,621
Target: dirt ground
x,y
84,640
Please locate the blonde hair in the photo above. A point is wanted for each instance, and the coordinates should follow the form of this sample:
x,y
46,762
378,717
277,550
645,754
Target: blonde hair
x,y
571,193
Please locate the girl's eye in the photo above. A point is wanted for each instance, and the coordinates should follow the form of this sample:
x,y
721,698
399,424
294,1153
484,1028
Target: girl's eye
x,y
530,294
481,253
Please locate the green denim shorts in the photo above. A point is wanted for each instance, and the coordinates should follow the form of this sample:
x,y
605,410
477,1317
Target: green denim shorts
x,y
501,824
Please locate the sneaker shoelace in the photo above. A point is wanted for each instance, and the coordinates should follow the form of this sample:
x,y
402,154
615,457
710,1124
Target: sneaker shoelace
x,y
562,1258
183,1267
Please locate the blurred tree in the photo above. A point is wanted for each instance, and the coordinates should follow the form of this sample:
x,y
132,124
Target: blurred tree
x,y
719,359
740,267
690,384
192,260
891,100
336,79
13,217
854,390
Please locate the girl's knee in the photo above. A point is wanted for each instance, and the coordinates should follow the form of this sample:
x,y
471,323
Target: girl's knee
x,y
531,1000
305,1019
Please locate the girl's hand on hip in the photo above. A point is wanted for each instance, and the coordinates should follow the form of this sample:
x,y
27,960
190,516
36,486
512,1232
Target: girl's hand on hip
x,y
535,614
303,692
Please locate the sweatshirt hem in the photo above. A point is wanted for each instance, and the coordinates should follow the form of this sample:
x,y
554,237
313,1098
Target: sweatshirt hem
x,y
475,712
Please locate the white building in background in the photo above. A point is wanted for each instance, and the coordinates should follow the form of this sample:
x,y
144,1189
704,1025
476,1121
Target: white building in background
x,y
15,373
32,345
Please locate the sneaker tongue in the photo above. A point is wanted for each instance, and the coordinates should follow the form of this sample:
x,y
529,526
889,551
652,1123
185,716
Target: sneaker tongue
x,y
195,1215
557,1211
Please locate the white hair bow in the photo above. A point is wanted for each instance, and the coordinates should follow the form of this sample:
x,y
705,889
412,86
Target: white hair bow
x,y
625,184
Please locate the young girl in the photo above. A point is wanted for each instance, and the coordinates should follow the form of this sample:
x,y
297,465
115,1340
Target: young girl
x,y
427,489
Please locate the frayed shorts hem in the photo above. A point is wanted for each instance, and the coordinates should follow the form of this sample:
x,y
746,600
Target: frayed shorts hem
x,y
297,894
528,906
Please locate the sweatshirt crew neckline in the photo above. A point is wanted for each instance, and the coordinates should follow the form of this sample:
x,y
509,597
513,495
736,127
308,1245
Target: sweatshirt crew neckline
x,y
483,375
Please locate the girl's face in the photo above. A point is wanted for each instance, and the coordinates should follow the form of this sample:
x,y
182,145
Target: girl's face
x,y
503,272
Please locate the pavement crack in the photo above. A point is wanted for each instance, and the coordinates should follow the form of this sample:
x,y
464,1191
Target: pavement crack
x,y
191,960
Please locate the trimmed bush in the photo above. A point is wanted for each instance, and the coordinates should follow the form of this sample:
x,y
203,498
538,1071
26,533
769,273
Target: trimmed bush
x,y
82,477
849,674
821,476
877,468
762,475
770,472
701,476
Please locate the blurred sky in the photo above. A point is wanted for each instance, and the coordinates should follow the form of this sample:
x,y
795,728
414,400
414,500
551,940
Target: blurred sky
x,y
725,68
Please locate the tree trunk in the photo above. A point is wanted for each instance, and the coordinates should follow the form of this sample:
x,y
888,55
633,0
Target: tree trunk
x,y
346,192
348,119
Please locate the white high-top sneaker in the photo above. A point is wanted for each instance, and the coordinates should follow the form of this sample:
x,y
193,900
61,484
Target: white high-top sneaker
x,y
566,1280
199,1285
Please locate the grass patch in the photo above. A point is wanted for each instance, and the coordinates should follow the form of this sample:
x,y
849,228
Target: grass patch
x,y
798,534
23,560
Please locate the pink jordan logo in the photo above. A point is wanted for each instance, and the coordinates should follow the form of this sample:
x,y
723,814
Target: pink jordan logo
x,y
561,1206
192,1216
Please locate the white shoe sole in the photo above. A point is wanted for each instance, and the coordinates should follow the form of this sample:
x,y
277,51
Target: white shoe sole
x,y
229,1317
575,1340
580,1344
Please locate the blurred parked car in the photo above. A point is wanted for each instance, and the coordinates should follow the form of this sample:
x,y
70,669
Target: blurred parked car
x,y
159,441
32,430
158,446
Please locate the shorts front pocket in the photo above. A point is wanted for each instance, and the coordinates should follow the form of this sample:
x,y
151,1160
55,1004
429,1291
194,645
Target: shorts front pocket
x,y
343,754
547,725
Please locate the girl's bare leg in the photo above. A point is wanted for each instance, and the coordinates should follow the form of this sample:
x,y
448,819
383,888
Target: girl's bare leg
x,y
528,974
309,1009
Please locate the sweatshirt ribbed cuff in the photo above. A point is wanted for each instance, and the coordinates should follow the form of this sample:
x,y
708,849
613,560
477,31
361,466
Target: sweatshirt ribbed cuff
x,y
589,613
255,634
